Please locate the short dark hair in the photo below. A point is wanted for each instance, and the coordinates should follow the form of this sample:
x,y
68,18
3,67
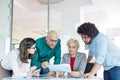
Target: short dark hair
x,y
25,44
88,29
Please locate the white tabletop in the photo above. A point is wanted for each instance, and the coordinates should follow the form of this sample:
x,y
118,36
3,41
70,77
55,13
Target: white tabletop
x,y
49,78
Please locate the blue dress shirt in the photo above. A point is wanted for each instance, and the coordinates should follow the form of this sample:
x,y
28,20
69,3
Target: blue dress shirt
x,y
105,51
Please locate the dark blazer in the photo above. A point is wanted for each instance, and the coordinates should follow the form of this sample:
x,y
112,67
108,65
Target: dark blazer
x,y
80,61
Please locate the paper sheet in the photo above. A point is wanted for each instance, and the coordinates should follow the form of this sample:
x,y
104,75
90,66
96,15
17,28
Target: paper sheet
x,y
60,67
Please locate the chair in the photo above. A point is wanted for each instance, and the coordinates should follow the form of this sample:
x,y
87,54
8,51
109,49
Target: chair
x,y
88,68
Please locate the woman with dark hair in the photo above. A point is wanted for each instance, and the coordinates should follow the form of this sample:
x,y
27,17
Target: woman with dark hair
x,y
17,62
106,53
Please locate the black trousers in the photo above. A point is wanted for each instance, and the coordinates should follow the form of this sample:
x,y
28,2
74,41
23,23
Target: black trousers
x,y
4,73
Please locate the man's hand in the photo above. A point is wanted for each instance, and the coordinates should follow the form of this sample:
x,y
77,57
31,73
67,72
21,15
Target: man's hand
x,y
44,64
88,75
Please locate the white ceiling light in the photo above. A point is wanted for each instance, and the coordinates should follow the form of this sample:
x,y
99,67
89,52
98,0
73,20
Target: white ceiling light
x,y
50,1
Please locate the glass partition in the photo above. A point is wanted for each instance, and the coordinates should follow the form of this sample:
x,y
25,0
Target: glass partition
x,y
34,18
30,19
5,26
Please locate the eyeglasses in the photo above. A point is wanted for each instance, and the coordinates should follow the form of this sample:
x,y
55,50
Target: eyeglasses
x,y
33,48
51,40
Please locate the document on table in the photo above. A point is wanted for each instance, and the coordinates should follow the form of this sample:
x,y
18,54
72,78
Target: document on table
x,y
60,67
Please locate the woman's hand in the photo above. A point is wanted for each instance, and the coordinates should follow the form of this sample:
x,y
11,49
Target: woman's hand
x,y
36,73
31,71
75,73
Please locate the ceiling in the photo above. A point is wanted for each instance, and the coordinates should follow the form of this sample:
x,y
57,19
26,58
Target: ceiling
x,y
30,17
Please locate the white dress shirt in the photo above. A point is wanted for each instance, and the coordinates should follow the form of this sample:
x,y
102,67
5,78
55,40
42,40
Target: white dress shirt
x,y
12,62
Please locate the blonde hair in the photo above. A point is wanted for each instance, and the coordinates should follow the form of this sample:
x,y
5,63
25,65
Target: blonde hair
x,y
75,41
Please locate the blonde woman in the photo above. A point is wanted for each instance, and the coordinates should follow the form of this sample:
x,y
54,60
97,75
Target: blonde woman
x,y
76,59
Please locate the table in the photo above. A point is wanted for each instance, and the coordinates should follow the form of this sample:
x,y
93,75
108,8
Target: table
x,y
50,78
